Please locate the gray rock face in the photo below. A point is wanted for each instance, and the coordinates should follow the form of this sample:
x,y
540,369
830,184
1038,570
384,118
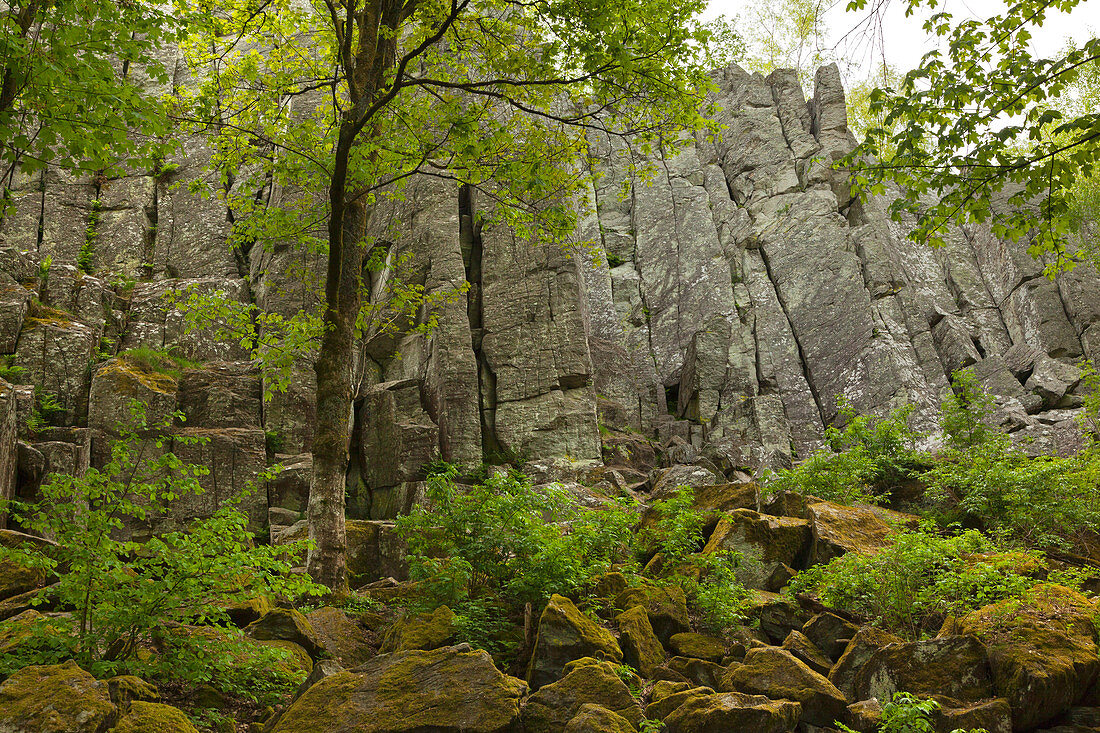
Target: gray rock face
x,y
719,299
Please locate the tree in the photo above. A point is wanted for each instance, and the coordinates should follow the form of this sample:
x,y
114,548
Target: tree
x,y
974,133
68,94
497,94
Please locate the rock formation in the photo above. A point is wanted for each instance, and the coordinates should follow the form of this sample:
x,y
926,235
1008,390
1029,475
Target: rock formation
x,y
721,309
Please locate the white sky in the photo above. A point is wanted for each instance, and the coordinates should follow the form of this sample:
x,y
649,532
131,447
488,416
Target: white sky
x,y
904,39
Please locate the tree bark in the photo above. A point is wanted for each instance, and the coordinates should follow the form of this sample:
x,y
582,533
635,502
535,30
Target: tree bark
x,y
327,562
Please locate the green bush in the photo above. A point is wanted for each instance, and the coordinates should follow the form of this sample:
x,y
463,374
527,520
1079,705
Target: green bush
x,y
709,581
121,591
863,461
506,538
920,579
907,713
982,480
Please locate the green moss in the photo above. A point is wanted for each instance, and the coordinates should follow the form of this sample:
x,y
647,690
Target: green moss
x,y
321,708
424,631
151,717
54,698
587,682
699,646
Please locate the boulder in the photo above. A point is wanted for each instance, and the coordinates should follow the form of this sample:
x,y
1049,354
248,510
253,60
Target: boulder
x,y
552,706
127,688
423,631
777,674
838,529
699,646
449,690
805,650
641,647
956,666
597,719
565,634
830,633
55,698
1042,651
992,716
151,717
666,607
285,624
733,711
765,543
698,671
674,694
342,638
860,649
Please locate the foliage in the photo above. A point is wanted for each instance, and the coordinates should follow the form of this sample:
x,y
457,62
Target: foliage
x,y
921,578
71,78
861,462
678,532
162,361
786,34
85,258
907,713
121,590
966,415
963,146
506,538
710,581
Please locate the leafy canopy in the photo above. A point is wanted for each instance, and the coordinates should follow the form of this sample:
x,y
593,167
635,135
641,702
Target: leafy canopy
x,y
974,133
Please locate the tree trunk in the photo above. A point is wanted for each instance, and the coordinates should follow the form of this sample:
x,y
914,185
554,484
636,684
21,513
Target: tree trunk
x,y
327,563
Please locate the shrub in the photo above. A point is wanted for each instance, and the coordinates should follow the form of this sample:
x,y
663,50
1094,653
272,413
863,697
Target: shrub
x,y
507,538
709,581
907,713
122,591
862,461
913,584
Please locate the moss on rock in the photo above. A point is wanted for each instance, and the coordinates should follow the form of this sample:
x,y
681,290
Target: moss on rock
x,y
286,624
449,690
596,719
641,647
777,674
55,698
425,631
151,717
733,711
863,645
666,607
699,646
550,708
1042,650
956,666
565,634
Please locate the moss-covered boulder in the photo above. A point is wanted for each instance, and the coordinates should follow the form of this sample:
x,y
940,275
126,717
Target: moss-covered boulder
x,y
565,634
956,666
343,639
296,662
151,717
55,698
588,681
992,716
449,690
244,612
776,615
830,633
777,674
641,647
424,631
806,651
127,688
733,711
765,542
838,529
286,624
712,500
597,719
1042,650
667,696
699,646
698,671
860,649
15,577
666,607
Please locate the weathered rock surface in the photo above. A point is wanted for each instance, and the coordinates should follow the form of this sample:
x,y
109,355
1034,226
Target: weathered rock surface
x,y
588,681
733,711
777,674
450,690
956,666
564,635
56,698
